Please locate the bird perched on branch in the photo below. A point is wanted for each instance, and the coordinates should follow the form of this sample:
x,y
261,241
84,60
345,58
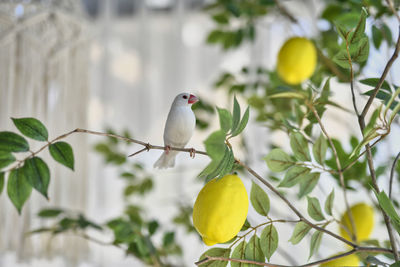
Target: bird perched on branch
x,y
178,128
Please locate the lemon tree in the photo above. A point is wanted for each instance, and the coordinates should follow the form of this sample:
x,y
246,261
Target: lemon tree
x,y
297,60
220,209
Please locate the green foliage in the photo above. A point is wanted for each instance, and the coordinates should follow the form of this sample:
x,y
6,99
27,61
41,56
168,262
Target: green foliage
x,y
314,209
216,252
269,240
238,253
277,160
62,153
37,174
12,142
329,202
259,200
315,242
31,128
299,147
386,204
18,188
294,175
253,250
300,231
6,158
319,149
1,181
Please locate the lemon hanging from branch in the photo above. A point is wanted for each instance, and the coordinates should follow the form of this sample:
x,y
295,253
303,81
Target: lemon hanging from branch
x,y
363,216
297,59
221,209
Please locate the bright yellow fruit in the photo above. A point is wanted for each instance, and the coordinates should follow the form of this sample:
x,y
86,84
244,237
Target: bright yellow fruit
x,y
363,216
351,260
297,60
220,209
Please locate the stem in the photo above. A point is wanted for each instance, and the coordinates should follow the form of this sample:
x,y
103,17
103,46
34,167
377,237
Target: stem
x,y
340,172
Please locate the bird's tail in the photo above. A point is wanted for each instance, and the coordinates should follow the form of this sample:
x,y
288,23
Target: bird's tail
x,y
166,160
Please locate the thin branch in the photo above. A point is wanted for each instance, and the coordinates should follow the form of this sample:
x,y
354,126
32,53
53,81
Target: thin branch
x,y
208,259
285,12
147,146
381,80
339,167
392,174
391,6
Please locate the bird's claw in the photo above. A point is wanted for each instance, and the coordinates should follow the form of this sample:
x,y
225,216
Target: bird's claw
x,y
192,152
167,149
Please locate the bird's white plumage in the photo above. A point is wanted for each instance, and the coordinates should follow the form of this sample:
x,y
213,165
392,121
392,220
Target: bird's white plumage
x,y
178,128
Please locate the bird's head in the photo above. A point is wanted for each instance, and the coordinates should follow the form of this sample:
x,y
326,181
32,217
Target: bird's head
x,y
185,99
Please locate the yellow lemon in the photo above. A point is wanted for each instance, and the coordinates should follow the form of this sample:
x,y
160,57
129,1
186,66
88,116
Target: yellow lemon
x,y
350,260
297,59
220,209
363,216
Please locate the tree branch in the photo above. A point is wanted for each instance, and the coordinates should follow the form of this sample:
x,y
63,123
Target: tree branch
x,y
353,233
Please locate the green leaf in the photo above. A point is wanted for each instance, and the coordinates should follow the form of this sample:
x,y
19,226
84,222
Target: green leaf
x,y
215,36
297,95
12,142
387,33
342,59
225,119
294,175
396,264
329,202
18,188
50,213
308,183
242,123
31,128
62,153
216,252
319,149
253,251
372,121
374,81
215,145
259,200
375,261
358,32
269,241
387,205
343,32
300,231
299,146
236,114
377,36
360,51
238,253
277,160
152,227
315,242
221,18
6,158
314,209
1,181
37,174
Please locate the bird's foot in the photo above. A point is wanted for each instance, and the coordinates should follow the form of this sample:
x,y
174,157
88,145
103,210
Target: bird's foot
x,y
192,152
167,149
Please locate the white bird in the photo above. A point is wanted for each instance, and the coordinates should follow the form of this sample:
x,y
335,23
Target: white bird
x,y
178,128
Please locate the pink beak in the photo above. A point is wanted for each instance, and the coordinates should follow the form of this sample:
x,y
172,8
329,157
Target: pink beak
x,y
192,99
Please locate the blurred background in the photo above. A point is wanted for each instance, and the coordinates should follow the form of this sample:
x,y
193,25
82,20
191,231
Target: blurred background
x,y
95,64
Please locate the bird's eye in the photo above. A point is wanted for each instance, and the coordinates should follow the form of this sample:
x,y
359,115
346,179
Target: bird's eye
x,y
184,97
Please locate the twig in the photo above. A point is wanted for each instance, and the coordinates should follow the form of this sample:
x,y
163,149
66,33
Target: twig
x,y
392,174
285,12
391,6
339,167
147,146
